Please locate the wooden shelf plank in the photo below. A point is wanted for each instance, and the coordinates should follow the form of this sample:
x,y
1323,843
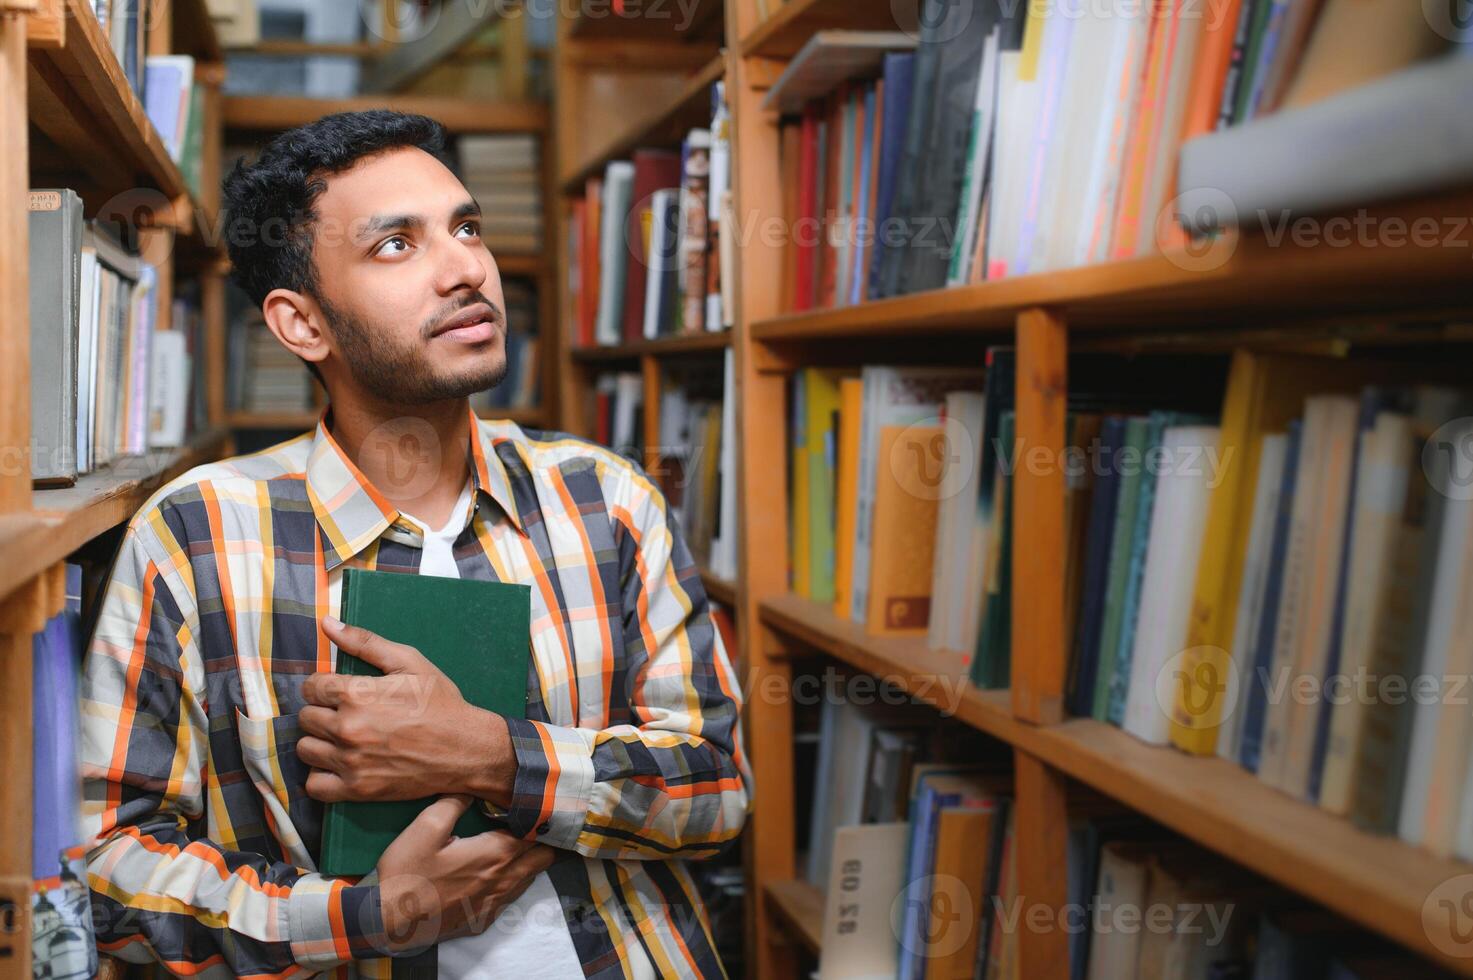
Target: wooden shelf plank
x,y
936,677
722,590
785,31
194,30
665,125
664,346
1379,882
799,907
64,518
267,113
1253,279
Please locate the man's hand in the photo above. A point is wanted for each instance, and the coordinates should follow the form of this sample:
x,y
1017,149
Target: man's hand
x,y
403,736
434,886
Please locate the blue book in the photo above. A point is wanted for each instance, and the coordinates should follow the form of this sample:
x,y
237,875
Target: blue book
x,y
861,193
1096,565
1255,708
56,781
899,75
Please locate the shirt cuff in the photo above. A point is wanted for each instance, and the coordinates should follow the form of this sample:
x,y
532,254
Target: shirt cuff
x,y
331,922
554,782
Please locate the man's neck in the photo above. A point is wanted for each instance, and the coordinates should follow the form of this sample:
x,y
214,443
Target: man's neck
x,y
414,456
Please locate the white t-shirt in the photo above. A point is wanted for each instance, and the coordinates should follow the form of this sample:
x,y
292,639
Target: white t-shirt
x,y
529,939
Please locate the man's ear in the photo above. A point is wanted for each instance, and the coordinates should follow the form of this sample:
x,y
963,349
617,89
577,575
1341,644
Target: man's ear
x,y
297,322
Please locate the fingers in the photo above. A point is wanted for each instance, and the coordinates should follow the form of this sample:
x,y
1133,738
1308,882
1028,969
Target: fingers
x,y
327,787
327,690
386,655
438,819
319,753
532,862
319,721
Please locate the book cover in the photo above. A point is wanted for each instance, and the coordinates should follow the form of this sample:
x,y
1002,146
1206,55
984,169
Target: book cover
x,y
654,170
1115,661
477,633
868,871
851,405
904,529
1085,663
613,252
821,403
55,262
897,80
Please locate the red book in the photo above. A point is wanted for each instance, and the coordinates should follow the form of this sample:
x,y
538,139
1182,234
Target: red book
x,y
577,269
806,229
588,267
653,170
833,167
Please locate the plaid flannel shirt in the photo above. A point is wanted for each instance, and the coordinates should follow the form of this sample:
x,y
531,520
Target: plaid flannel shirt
x,y
203,836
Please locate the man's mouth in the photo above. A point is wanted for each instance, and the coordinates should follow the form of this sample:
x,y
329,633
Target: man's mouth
x,y
473,325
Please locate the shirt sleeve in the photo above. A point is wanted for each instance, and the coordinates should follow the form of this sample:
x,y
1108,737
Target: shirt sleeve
x,y
157,881
675,783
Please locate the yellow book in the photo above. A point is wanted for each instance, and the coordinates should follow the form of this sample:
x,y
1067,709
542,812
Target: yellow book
x,y
821,403
851,405
904,543
957,899
1265,393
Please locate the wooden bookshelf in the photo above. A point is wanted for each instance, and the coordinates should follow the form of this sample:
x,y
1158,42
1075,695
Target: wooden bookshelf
x,y
71,120
665,124
277,112
788,27
722,590
698,343
799,906
700,22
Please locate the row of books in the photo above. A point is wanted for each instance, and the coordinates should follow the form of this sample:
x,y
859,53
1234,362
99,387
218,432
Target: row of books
x,y
125,24
503,175
695,462
922,881
106,380
62,940
648,251
267,378
175,103
1013,138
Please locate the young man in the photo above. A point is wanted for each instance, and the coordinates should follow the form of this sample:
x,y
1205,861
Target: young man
x,y
215,728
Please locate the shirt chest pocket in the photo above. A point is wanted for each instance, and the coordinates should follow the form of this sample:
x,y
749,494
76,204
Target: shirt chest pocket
x,y
268,752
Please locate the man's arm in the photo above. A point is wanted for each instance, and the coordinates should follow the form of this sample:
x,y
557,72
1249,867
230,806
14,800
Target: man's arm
x,y
145,745
675,782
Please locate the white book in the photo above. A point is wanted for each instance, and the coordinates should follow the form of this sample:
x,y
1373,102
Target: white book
x,y
1254,586
1081,105
87,355
1016,101
892,396
1380,494
168,401
628,396
868,873
1294,590
1178,521
723,547
949,578
1439,638
1122,885
657,259
1325,558
1116,122
613,252
979,154
1043,132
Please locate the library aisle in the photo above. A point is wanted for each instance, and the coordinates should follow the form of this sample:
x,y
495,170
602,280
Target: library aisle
x,y
1010,511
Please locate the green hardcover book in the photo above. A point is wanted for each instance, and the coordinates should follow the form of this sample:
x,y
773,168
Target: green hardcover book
x,y
478,633
1121,544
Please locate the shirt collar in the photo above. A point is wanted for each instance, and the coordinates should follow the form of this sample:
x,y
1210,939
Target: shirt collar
x,y
353,513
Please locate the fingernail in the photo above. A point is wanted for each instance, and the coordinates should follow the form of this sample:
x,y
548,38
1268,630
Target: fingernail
x,y
332,622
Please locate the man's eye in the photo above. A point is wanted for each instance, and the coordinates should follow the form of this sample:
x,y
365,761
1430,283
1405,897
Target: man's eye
x,y
393,246
469,228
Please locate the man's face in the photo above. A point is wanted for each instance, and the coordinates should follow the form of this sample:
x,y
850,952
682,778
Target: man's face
x,y
411,295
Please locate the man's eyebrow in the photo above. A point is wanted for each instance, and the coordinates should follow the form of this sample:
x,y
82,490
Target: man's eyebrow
x,y
467,209
380,223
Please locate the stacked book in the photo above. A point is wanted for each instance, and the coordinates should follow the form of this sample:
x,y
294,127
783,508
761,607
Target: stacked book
x,y
502,174
645,245
272,379
98,356
1015,138
175,105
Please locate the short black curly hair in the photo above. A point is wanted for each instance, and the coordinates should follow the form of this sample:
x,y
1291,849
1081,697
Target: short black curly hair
x,y
269,203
